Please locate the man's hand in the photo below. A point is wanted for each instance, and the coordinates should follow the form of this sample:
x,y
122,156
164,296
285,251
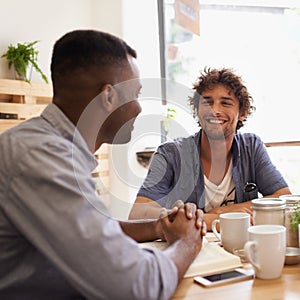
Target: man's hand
x,y
190,210
239,207
184,235
179,218
214,213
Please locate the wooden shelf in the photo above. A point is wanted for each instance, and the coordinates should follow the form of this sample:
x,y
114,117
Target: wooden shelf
x,y
22,92
27,100
283,144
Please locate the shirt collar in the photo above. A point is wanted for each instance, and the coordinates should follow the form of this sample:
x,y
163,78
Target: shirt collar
x,y
236,146
235,143
58,120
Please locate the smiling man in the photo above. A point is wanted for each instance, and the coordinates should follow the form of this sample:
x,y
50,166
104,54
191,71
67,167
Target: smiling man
x,y
218,169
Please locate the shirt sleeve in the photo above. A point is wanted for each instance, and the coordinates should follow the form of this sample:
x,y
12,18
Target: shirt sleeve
x,y
268,177
53,203
160,178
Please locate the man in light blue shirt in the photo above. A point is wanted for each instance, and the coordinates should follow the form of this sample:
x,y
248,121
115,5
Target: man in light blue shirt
x,y
57,238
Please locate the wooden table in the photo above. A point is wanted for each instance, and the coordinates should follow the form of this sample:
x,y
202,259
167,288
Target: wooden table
x,y
287,287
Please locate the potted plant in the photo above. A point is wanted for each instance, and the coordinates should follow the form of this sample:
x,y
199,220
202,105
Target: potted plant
x,y
165,123
295,217
22,57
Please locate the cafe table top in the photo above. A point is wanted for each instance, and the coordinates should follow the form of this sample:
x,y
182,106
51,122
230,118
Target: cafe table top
x,y
286,287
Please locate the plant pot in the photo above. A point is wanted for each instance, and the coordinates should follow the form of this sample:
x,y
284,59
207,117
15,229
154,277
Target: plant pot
x,y
25,77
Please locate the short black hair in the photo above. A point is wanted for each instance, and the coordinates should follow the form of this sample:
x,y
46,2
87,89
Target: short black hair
x,y
80,49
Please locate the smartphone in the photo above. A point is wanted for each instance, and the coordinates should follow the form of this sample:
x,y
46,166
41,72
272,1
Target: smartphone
x,y
224,277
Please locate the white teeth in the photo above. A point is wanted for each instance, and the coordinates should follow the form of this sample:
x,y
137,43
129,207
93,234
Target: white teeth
x,y
215,121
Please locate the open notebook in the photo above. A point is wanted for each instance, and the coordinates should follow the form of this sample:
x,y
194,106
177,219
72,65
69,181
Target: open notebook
x,y
211,259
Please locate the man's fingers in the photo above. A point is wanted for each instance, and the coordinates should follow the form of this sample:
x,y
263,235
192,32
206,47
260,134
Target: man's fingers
x,y
204,229
172,213
190,209
178,204
199,218
163,213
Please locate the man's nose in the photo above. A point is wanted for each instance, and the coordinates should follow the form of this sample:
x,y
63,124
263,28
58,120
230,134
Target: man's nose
x,y
216,108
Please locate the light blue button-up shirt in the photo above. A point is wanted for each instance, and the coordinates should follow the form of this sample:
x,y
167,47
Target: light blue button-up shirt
x,y
57,240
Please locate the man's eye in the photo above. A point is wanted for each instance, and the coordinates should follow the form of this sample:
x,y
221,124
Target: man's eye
x,y
227,103
204,102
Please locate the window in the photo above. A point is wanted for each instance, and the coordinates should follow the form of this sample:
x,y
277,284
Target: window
x,y
260,40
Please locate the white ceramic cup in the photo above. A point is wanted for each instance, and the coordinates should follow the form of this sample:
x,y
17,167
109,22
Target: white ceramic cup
x,y
265,250
233,230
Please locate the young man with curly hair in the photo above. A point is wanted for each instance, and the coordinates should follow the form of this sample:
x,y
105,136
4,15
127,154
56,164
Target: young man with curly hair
x,y
218,169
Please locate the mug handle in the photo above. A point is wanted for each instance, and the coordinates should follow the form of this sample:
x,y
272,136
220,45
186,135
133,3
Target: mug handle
x,y
214,228
250,247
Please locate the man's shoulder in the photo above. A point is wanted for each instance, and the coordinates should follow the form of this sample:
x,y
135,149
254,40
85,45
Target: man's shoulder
x,y
247,137
34,134
248,142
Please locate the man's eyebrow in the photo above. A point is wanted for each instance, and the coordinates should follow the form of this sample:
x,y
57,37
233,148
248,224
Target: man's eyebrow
x,y
223,98
227,98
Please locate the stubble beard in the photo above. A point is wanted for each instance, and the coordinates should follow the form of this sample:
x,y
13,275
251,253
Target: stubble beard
x,y
217,134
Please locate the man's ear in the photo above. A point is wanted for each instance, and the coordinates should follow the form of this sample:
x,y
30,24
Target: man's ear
x,y
242,118
108,97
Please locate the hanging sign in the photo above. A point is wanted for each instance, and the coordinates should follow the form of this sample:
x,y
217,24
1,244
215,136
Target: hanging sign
x,y
187,15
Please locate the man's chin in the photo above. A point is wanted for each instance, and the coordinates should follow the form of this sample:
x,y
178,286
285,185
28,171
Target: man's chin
x,y
215,134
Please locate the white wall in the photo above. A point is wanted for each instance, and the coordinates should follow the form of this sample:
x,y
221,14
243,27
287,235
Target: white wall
x,y
140,30
46,21
133,20
107,15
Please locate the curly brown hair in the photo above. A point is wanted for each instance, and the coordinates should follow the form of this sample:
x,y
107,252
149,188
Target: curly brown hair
x,y
210,77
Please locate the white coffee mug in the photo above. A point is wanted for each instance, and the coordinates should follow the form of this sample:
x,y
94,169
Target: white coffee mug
x,y
265,250
233,230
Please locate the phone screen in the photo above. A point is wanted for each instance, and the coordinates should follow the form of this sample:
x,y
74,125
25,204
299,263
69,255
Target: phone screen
x,y
223,276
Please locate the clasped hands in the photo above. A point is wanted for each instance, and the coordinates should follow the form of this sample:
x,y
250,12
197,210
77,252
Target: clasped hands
x,y
182,221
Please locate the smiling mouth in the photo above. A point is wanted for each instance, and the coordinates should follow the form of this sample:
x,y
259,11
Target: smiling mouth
x,y
215,121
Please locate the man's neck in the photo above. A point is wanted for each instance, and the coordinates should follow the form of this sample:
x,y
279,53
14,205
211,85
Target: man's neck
x,y
215,156
216,148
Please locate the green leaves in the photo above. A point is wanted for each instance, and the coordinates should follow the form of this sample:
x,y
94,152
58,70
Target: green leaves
x,y
295,218
21,56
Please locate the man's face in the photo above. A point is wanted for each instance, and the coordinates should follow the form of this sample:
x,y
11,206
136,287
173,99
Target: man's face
x,y
119,123
218,112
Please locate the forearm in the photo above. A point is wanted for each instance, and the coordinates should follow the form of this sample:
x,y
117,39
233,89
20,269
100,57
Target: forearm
x,y
183,253
145,208
184,235
145,230
214,213
208,218
283,191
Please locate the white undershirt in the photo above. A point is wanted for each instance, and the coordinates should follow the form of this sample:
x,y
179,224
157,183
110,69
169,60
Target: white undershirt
x,y
216,194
